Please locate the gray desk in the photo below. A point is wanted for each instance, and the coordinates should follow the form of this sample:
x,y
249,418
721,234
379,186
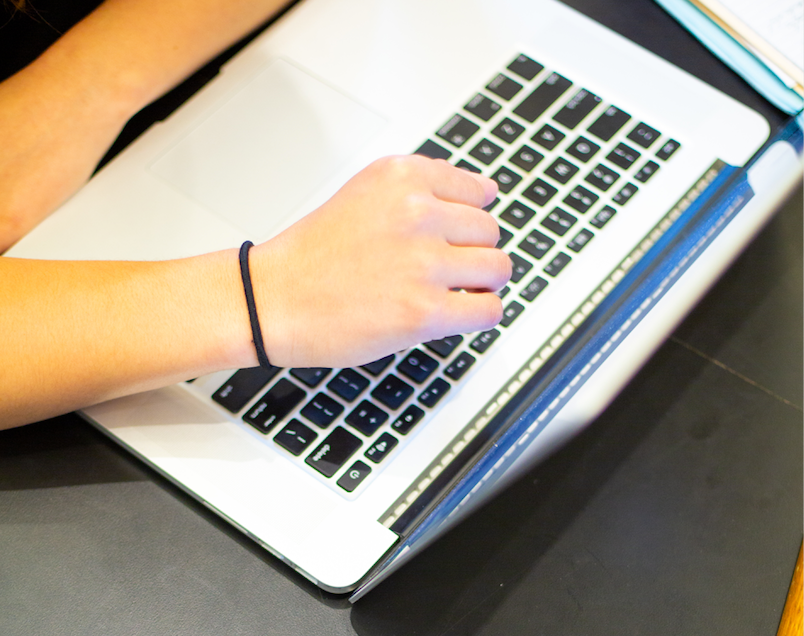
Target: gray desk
x,y
678,512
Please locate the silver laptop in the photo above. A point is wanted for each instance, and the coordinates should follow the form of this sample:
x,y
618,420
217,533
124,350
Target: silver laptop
x,y
611,164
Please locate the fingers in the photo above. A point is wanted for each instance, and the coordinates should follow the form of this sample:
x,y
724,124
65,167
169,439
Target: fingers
x,y
475,268
471,312
465,226
449,183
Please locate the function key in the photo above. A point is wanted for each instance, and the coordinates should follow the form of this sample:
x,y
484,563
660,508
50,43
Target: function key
x,y
432,394
505,236
548,137
312,377
295,437
378,366
409,418
517,214
482,107
275,405
607,125
380,449
604,216
465,165
433,150
602,177
536,244
561,170
333,452
366,418
668,149
580,241
519,267
418,366
485,151
534,105
506,179
457,130
526,158
445,346
643,135
623,156
504,87
583,149
533,289
525,67
555,266
508,130
242,386
559,221
577,108
646,171
392,392
540,192
581,199
459,366
322,410
351,478
348,384
484,340
510,313
625,194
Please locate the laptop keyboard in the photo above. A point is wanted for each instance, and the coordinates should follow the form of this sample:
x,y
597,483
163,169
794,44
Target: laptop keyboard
x,y
566,162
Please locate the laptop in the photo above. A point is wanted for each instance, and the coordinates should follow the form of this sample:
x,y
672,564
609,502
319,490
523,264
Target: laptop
x,y
626,188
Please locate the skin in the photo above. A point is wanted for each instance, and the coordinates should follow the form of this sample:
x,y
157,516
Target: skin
x,y
389,248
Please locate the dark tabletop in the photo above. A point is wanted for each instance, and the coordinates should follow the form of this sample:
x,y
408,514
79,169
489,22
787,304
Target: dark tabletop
x,y
678,512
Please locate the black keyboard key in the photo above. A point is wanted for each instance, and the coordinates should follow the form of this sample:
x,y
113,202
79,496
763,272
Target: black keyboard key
x,y
583,149
646,171
460,365
503,86
409,418
517,214
511,313
559,221
457,130
482,107
322,410
465,165
609,123
561,170
623,156
580,240
378,366
433,150
505,236
348,384
433,393
485,340
445,346
534,105
582,103
392,392
604,216
525,67
333,452
519,267
536,244
668,149
485,152
602,177
526,158
508,130
540,192
418,366
242,386
312,377
352,478
275,405
506,179
625,194
581,199
366,418
555,266
501,293
548,137
643,135
491,205
379,450
533,289
295,437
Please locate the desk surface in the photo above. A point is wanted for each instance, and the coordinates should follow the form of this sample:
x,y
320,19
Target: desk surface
x,y
678,512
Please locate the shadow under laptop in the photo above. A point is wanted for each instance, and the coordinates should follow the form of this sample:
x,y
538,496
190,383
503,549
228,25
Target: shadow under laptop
x,y
454,584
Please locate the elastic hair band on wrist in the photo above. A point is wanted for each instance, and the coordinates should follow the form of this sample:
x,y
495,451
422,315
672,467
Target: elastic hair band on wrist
x,y
256,333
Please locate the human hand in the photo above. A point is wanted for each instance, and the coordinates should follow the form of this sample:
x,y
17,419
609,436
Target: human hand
x,y
374,270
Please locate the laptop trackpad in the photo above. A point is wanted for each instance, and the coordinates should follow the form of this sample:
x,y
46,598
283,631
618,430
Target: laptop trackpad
x,y
256,158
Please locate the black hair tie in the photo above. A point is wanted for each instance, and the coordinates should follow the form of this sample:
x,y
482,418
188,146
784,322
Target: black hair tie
x,y
256,333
